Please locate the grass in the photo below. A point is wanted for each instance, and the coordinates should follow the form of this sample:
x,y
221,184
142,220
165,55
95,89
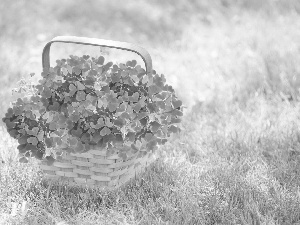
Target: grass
x,y
234,64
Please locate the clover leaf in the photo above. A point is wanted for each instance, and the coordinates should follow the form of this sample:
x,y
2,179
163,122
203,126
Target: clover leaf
x,y
105,131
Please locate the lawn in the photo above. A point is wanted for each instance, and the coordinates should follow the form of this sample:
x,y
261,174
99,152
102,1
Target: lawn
x,y
235,65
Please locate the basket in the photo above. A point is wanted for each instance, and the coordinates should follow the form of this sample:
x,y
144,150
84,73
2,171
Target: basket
x,y
95,168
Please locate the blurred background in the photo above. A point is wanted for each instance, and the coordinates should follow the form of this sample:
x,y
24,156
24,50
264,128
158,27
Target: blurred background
x,y
212,52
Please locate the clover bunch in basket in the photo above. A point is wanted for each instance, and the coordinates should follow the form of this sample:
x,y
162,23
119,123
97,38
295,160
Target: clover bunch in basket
x,y
84,103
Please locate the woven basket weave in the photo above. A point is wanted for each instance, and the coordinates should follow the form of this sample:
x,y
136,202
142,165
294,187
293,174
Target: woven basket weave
x,y
95,169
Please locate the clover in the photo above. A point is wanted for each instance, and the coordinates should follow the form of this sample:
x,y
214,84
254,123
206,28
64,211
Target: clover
x,y
83,103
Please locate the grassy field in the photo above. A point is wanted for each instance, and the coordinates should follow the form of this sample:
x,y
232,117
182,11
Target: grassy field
x,y
235,65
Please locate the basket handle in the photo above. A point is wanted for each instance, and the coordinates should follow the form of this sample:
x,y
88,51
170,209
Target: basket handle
x,y
97,42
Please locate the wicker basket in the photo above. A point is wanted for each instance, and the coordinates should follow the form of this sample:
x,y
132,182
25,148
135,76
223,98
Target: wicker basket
x,y
95,168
